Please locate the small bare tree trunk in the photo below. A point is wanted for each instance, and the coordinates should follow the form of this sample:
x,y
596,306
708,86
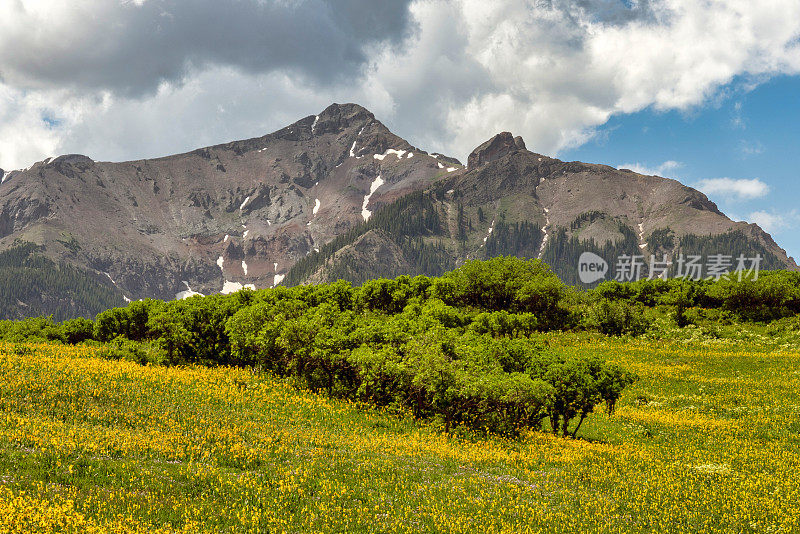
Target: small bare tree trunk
x,y
575,432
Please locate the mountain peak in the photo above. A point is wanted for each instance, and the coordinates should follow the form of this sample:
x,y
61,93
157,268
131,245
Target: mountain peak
x,y
338,117
495,148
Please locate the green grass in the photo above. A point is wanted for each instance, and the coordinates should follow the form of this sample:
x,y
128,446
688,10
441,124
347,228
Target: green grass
x,y
706,441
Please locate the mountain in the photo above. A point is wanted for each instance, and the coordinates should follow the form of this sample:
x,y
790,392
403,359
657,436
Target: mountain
x,y
511,201
335,195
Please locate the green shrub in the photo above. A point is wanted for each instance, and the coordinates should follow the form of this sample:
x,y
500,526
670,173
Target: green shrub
x,y
125,349
617,318
507,284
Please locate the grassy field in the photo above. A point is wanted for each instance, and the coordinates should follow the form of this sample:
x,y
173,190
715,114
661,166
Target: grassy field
x,y
707,441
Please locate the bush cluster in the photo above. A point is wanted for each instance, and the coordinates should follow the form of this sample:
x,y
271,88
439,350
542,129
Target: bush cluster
x,y
456,349
774,295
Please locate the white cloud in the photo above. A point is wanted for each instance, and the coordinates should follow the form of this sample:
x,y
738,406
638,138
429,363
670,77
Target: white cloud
x,y
738,189
751,148
132,79
737,122
774,222
665,169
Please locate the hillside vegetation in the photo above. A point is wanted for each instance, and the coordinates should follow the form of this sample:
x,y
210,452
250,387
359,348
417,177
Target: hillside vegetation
x,y
32,284
411,405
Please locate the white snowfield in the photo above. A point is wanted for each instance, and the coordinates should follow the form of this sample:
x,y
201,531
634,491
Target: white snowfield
x,y
317,204
278,279
244,267
221,263
372,188
244,203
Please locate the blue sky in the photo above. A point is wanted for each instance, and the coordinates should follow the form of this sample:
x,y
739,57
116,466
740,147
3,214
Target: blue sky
x,y
743,135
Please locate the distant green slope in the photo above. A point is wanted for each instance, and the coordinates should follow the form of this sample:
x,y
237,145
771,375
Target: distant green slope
x,y
31,285
436,233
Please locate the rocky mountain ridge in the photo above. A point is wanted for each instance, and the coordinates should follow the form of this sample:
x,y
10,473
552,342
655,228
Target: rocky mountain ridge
x,y
246,213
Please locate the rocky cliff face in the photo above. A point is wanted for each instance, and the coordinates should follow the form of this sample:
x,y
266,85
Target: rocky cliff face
x,y
244,213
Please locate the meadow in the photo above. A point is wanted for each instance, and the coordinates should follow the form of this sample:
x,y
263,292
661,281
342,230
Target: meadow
x,y
707,440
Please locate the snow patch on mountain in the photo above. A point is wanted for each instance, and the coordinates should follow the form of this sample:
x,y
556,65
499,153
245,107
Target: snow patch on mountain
x,y
187,293
489,233
115,285
544,231
398,153
642,244
372,188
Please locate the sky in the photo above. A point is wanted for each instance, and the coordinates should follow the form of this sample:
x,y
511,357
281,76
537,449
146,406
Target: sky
x,y
703,91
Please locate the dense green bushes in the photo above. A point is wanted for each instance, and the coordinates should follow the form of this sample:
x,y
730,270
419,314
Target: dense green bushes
x,y
773,295
428,359
454,349
459,348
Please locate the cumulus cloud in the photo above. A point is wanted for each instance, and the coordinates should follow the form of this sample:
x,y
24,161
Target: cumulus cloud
x,y
138,78
738,189
132,47
666,169
774,222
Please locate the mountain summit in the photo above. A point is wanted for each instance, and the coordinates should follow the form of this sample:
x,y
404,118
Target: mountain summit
x,y
498,146
332,195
